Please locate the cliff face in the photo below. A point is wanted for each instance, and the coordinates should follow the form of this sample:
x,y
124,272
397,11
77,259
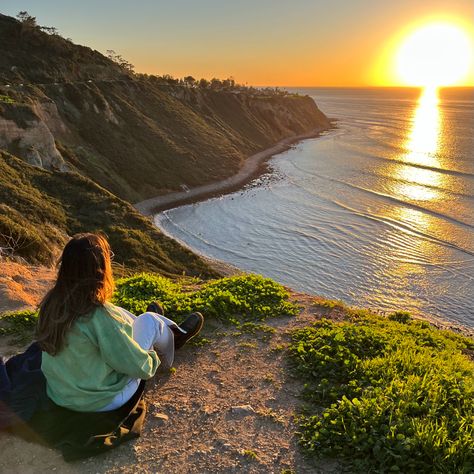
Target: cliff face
x,y
138,139
28,131
68,107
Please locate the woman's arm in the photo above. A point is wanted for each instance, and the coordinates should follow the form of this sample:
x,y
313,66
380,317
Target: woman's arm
x,y
120,351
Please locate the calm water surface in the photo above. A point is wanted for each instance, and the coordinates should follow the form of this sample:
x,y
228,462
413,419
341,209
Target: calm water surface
x,y
378,213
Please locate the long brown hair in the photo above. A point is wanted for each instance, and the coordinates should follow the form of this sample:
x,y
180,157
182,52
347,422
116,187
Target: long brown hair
x,y
84,282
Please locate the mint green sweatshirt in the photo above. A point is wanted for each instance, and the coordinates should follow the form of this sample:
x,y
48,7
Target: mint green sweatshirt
x,y
98,359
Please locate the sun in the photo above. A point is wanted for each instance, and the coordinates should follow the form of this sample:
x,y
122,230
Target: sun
x,y
436,54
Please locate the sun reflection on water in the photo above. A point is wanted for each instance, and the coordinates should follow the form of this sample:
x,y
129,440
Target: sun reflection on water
x,y
422,145
412,250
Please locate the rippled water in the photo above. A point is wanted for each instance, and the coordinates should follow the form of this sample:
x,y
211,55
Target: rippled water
x,y
379,212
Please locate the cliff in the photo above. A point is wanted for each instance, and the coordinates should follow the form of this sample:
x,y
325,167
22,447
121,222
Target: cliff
x,y
73,112
78,110
138,139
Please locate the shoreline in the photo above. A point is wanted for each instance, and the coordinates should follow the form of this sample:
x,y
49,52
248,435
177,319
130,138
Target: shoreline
x,y
227,269
254,166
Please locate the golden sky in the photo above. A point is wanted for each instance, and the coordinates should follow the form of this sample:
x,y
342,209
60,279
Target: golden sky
x,y
260,42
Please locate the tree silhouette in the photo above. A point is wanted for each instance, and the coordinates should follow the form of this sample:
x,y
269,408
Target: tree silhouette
x,y
26,19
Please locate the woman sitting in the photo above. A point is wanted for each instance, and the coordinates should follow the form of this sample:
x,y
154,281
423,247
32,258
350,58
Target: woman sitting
x,y
95,353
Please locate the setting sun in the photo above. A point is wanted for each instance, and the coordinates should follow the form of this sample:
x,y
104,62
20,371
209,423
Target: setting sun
x,y
438,54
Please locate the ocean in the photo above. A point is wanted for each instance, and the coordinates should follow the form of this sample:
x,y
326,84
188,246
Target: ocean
x,y
378,212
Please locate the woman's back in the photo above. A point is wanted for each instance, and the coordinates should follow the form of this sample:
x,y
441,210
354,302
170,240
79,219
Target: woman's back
x,y
98,359
95,353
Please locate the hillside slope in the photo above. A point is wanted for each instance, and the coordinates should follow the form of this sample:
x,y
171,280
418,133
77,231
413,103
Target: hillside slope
x,y
77,110
80,135
40,208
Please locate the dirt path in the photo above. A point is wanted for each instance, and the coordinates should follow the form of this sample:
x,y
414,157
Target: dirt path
x,y
253,166
228,408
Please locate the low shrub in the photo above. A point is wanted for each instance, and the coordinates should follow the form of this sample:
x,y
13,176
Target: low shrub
x,y
19,238
19,324
400,316
6,99
245,297
390,395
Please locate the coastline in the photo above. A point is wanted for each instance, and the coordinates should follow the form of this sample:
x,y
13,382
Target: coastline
x,y
254,166
227,269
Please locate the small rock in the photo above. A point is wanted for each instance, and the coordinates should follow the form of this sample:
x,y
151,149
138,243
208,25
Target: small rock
x,y
161,418
242,410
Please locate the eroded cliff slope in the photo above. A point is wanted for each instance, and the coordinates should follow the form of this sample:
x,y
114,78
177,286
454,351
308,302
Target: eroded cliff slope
x,y
70,108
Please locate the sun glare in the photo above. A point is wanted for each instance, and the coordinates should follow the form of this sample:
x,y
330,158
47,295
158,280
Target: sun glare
x,y
422,144
437,54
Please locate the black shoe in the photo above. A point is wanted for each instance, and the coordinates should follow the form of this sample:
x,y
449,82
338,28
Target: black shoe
x,y
155,307
190,327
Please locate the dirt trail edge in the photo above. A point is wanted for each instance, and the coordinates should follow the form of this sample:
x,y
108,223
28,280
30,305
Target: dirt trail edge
x,y
228,408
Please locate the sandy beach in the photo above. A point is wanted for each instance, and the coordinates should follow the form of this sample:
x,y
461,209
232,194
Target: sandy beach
x,y
254,166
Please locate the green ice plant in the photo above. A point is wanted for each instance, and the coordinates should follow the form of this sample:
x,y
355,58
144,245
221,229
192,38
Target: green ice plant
x,y
243,297
388,394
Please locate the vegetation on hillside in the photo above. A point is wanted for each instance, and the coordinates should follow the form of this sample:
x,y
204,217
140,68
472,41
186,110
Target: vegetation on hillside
x,y
39,209
243,297
38,54
29,25
389,395
136,135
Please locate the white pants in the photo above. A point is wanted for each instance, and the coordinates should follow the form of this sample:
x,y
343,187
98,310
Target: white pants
x,y
150,330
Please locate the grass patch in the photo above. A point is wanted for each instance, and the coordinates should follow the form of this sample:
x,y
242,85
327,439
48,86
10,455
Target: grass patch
x,y
249,454
199,341
271,414
247,345
19,324
328,304
5,99
234,299
250,327
389,394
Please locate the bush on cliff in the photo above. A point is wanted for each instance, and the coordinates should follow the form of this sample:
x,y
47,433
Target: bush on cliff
x,y
390,396
247,297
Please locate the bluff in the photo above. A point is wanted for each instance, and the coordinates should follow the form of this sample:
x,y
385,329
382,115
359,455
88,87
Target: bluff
x,y
77,114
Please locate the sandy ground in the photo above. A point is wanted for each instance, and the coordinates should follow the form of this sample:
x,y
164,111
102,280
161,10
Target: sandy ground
x,y
23,286
228,408
252,167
